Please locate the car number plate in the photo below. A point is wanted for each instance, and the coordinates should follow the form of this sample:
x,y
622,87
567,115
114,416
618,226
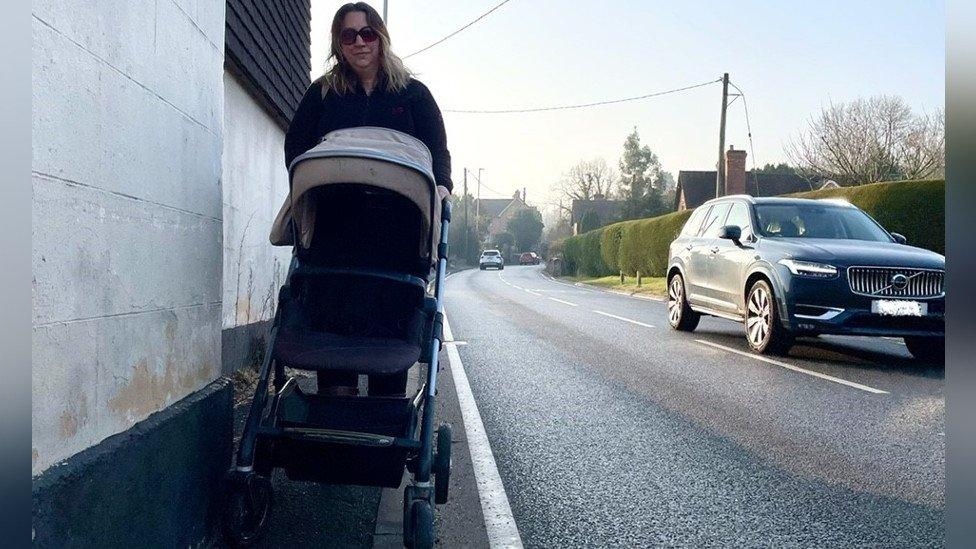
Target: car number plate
x,y
886,307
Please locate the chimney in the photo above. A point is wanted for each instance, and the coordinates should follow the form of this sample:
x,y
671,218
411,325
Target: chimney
x,y
735,171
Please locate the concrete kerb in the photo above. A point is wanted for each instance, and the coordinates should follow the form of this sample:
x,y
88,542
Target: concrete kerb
x,y
388,532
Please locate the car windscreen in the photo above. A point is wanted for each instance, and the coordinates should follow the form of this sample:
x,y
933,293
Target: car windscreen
x,y
818,221
490,254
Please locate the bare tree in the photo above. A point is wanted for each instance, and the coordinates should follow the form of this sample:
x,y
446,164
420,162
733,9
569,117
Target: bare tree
x,y
586,180
867,140
922,152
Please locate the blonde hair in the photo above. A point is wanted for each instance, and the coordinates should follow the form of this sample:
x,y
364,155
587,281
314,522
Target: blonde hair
x,y
340,77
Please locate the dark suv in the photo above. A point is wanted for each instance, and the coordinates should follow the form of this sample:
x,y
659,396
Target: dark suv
x,y
788,267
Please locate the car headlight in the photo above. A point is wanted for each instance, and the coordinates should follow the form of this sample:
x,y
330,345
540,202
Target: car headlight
x,y
807,268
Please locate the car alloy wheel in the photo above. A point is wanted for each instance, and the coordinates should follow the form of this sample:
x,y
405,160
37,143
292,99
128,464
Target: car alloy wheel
x,y
675,300
759,317
680,315
763,328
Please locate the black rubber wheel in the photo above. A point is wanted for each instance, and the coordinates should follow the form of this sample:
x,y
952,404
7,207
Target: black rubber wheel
x,y
247,508
764,331
422,527
680,315
502,268
930,350
407,518
442,465
481,267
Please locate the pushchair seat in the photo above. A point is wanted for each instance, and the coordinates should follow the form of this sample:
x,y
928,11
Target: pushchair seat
x,y
353,321
308,349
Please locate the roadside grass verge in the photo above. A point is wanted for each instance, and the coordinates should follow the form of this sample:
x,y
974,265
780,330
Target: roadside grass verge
x,y
650,286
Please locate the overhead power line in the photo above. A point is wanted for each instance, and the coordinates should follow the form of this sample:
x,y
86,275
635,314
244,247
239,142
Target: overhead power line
x,y
752,149
482,16
583,105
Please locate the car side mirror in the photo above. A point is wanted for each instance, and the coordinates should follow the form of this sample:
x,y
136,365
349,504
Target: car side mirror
x,y
899,238
731,232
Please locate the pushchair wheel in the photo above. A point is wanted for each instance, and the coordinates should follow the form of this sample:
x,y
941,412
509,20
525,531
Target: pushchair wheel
x,y
247,509
421,525
442,465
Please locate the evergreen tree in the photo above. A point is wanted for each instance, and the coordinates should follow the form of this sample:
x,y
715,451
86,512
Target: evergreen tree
x,y
526,229
642,181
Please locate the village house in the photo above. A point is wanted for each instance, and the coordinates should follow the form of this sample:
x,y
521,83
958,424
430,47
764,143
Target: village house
x,y
697,187
498,212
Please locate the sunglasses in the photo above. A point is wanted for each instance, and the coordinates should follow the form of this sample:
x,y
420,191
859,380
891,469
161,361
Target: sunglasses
x,y
348,36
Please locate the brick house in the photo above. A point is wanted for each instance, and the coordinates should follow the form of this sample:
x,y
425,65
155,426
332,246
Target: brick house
x,y
697,187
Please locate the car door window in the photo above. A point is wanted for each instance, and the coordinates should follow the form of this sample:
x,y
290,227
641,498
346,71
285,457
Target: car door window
x,y
694,222
715,220
740,217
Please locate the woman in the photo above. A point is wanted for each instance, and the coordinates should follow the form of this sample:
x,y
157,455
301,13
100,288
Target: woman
x,y
367,85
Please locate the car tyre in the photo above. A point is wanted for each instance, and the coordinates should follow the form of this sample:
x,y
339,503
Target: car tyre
x,y
481,267
927,349
764,331
680,315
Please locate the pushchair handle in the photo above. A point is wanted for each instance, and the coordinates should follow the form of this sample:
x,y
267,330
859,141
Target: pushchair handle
x,y
446,207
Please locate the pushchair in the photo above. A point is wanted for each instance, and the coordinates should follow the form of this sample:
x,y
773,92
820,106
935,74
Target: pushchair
x,y
368,225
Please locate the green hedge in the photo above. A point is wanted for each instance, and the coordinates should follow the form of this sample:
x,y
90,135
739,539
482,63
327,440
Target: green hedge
x,y
644,243
581,255
915,209
610,245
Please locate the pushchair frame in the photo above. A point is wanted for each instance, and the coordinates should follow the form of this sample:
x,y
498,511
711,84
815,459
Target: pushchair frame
x,y
248,485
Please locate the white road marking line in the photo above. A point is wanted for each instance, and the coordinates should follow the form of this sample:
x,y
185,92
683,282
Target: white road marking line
x,y
517,287
622,318
795,368
533,293
502,530
564,302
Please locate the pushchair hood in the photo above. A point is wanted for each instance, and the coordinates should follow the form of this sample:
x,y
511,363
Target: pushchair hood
x,y
376,157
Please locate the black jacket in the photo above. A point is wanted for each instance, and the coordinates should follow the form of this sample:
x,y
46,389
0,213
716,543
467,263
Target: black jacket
x,y
412,111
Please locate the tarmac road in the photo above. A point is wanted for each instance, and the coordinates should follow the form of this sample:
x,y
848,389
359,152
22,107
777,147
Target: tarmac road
x,y
610,429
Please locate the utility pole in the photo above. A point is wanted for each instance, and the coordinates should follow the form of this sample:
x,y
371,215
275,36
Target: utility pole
x,y
477,210
720,177
467,228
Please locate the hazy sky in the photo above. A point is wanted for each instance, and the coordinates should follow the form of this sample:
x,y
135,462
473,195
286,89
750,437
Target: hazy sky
x,y
790,59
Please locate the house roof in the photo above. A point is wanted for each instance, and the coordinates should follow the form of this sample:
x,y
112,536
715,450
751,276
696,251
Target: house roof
x,y
699,186
493,207
607,210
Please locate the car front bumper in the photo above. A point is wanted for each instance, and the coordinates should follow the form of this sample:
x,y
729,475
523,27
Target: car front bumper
x,y
828,306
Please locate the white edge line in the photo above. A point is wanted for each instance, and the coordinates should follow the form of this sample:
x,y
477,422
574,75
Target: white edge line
x,y
622,318
795,368
502,530
517,287
533,293
563,302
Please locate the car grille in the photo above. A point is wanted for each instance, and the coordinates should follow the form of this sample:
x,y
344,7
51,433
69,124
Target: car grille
x,y
877,282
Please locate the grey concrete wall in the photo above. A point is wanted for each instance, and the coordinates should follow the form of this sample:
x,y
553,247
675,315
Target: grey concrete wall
x,y
127,224
255,183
